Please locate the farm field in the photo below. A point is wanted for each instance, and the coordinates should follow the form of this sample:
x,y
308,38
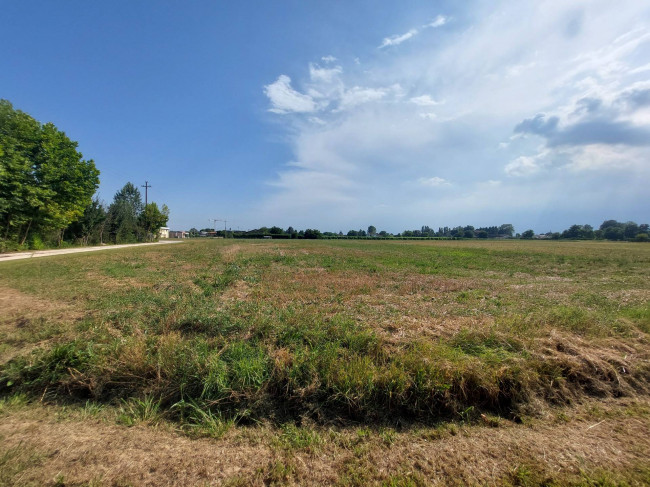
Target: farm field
x,y
296,362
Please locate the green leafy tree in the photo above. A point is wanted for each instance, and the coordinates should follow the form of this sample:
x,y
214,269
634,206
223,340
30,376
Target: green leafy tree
x,y
124,214
506,230
614,233
584,232
45,184
528,234
90,227
631,230
372,231
152,219
609,224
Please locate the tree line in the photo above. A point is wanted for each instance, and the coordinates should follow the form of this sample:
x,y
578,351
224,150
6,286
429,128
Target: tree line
x,y
126,220
47,188
608,230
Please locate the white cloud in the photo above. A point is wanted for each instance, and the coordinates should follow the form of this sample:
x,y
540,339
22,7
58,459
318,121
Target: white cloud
x,y
523,166
326,75
439,21
424,101
358,95
328,59
284,99
398,39
433,182
600,157
640,69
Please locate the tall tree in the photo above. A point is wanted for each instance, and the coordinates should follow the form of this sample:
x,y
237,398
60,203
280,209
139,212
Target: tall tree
x,y
45,184
506,230
124,213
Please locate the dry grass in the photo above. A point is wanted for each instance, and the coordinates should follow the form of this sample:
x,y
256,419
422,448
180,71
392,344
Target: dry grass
x,y
576,443
28,322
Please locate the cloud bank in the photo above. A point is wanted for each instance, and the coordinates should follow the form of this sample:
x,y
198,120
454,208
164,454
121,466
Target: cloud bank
x,y
527,112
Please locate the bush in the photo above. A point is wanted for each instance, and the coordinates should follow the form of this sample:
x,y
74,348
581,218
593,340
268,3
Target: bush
x,y
36,243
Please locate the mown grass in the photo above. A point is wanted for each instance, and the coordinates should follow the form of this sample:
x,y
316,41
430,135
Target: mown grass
x,y
214,332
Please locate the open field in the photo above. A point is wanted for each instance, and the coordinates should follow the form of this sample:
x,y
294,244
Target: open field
x,y
328,362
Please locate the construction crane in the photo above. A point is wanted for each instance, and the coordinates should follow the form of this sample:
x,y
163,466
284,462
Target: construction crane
x,y
215,220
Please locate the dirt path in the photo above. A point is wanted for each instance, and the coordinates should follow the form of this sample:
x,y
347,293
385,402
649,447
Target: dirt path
x,y
47,253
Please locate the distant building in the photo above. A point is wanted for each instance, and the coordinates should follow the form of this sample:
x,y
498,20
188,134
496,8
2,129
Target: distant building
x,y
178,234
163,232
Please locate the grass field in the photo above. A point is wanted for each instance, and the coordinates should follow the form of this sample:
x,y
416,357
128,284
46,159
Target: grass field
x,y
328,362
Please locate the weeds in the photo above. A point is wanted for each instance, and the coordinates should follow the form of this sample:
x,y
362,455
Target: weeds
x,y
14,461
278,472
201,421
317,336
138,411
292,437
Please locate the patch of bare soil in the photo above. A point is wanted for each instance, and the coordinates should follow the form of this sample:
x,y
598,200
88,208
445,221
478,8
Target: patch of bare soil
x,y
239,291
92,451
14,303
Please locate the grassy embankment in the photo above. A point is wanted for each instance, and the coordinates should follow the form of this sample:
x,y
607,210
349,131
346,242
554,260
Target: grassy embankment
x,y
215,333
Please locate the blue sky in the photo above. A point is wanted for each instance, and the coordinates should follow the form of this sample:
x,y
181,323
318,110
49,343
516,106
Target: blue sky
x,y
339,115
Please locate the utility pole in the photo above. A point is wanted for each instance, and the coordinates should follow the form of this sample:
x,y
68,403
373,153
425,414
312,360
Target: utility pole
x,y
146,186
